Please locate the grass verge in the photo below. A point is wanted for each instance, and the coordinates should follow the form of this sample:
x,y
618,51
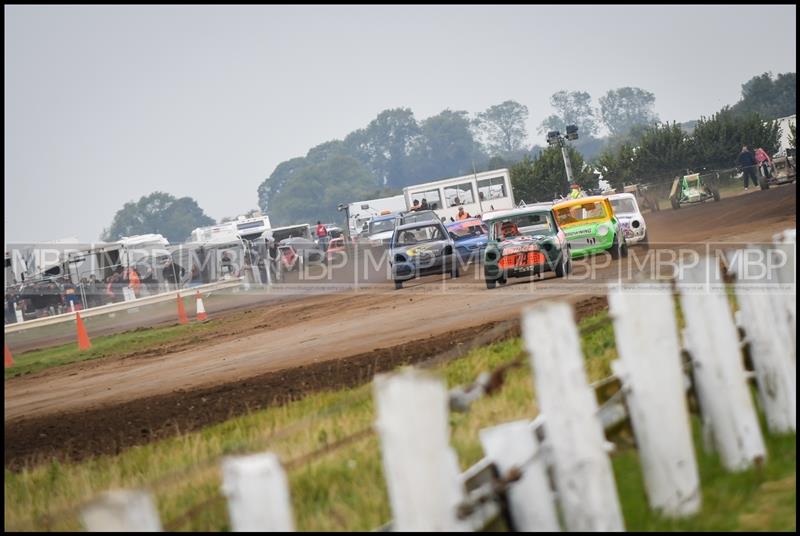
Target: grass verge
x,y
344,489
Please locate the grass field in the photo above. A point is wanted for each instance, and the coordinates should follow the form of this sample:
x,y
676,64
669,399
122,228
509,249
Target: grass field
x,y
129,343
344,489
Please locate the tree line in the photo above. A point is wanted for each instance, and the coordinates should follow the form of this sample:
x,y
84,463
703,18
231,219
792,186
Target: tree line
x,y
396,150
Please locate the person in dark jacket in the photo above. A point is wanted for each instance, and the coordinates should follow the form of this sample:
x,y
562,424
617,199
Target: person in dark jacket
x,y
747,162
173,272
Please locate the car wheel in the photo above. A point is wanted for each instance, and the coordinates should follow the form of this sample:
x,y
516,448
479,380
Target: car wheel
x,y
763,182
398,284
454,273
563,267
502,281
675,203
616,249
491,283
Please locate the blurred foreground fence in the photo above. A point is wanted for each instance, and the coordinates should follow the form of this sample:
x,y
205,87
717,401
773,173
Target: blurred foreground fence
x,y
554,472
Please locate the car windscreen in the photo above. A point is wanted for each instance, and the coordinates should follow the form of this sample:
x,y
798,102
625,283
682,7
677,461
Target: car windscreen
x,y
467,229
419,235
539,223
624,205
414,218
576,214
381,226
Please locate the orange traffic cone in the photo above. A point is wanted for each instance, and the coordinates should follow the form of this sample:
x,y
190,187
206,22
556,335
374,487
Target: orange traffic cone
x,y
9,359
201,310
83,338
182,318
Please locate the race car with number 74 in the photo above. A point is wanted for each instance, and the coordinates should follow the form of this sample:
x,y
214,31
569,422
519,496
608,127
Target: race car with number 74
x,y
523,242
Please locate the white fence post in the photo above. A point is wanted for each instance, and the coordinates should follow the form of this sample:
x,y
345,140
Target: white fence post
x,y
652,376
583,476
718,370
766,324
530,500
122,511
421,469
787,276
258,493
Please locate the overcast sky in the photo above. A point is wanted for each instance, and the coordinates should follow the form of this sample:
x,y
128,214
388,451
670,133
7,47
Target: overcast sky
x,y
106,104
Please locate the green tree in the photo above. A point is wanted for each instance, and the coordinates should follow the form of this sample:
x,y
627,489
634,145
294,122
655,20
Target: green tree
x,y
618,165
503,127
444,148
384,146
572,108
272,185
545,178
625,107
769,98
160,213
717,140
316,190
662,149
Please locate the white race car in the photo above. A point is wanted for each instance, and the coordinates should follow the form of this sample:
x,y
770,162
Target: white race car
x,y
630,219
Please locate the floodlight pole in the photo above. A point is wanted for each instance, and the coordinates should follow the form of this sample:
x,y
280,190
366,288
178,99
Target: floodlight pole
x,y
554,137
567,162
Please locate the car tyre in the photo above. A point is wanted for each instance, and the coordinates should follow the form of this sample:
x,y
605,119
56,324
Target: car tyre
x,y
675,203
763,182
491,283
565,266
618,250
398,284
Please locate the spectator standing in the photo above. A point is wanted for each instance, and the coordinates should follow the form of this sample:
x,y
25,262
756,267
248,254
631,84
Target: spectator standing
x,y
322,235
764,162
747,162
173,272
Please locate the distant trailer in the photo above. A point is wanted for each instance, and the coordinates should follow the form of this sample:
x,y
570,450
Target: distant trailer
x,y
477,193
360,213
244,228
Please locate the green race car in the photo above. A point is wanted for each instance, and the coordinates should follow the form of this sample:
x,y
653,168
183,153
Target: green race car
x,y
591,226
523,242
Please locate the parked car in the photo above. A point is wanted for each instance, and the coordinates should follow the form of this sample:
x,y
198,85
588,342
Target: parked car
x,y
381,229
523,242
419,249
626,209
591,226
336,248
783,171
295,252
470,237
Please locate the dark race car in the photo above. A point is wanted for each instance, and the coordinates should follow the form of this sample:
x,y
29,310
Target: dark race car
x,y
421,248
523,242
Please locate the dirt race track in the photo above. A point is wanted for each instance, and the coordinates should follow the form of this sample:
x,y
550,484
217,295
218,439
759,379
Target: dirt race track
x,y
292,346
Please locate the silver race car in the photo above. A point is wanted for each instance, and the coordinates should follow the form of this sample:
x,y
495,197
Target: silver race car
x,y
421,248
